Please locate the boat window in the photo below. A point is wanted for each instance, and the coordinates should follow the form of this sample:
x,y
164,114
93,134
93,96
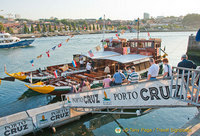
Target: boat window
x,y
1,36
148,44
140,45
133,44
6,36
117,45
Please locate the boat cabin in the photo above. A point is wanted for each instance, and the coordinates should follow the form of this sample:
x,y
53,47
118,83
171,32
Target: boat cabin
x,y
145,47
7,38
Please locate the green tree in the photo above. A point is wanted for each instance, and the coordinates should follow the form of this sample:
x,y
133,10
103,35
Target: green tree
x,y
55,27
83,27
74,26
106,27
192,20
97,27
50,28
2,28
70,27
9,30
87,28
65,27
101,27
93,27
79,28
38,28
26,29
32,29
61,29
90,27
44,28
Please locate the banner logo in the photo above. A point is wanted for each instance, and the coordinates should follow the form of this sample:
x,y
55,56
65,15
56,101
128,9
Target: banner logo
x,y
43,120
106,100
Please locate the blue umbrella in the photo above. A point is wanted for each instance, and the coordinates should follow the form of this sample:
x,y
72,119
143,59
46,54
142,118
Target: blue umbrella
x,y
198,36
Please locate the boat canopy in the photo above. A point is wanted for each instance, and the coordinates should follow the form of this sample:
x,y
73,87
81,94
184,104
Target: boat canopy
x,y
135,58
99,55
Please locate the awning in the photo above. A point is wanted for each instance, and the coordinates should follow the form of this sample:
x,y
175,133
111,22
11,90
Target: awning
x,y
101,55
135,58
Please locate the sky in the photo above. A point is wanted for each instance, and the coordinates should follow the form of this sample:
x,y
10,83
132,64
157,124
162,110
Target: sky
x,y
82,9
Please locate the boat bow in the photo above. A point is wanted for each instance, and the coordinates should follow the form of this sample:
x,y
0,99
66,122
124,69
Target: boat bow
x,y
41,88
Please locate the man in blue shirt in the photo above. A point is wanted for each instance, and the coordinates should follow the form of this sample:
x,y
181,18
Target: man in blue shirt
x,y
118,77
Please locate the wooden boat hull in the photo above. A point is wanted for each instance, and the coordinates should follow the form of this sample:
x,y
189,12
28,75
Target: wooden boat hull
x,y
48,89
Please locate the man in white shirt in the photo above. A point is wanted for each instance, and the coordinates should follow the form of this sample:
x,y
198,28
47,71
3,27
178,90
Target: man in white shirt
x,y
88,67
153,70
107,69
167,68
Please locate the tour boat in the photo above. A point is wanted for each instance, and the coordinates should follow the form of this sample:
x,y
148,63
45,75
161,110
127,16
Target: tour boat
x,y
7,41
117,54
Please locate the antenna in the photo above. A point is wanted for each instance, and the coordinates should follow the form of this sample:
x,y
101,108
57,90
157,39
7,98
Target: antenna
x,y
103,30
138,31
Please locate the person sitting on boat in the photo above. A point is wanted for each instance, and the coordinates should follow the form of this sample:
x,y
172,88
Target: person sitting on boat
x,y
106,81
107,70
167,68
84,85
88,67
134,76
81,63
153,70
73,89
118,77
129,71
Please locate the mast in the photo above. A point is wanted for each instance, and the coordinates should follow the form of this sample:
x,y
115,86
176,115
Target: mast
x,y
138,25
103,30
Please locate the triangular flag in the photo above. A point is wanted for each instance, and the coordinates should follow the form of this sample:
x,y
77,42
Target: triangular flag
x,y
148,34
67,40
90,53
32,62
117,35
98,48
48,54
54,48
39,56
59,45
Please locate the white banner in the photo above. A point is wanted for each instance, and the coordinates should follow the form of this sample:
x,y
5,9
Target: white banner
x,y
47,118
155,93
17,128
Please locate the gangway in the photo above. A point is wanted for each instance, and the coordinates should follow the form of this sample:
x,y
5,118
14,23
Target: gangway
x,y
180,90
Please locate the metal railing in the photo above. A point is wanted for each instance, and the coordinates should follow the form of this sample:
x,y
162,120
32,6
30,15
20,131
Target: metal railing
x,y
189,89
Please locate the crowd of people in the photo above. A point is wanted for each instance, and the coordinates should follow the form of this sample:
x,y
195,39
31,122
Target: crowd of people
x,y
129,75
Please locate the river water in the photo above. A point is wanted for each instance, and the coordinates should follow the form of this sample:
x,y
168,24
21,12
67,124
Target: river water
x,y
15,97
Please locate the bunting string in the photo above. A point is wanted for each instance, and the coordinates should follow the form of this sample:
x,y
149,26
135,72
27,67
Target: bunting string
x,y
51,49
